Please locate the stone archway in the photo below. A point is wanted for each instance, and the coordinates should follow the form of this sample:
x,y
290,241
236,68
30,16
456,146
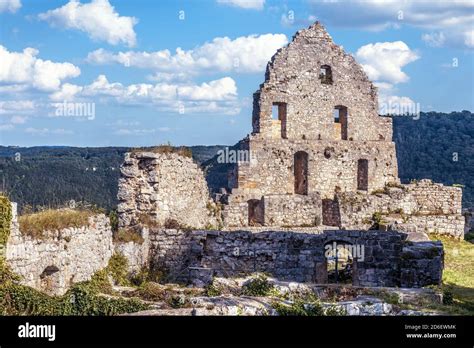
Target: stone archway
x,y
301,173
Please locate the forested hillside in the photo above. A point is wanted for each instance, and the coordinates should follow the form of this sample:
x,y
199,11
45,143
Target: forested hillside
x,y
439,147
436,146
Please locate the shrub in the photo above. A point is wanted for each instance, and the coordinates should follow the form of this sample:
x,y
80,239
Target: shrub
x,y
213,290
118,269
52,220
113,217
448,298
259,285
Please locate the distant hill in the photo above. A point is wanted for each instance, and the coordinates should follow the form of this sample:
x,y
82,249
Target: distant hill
x,y
437,146
52,176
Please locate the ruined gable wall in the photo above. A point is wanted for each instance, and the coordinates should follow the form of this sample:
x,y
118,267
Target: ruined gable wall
x,y
162,186
293,78
76,253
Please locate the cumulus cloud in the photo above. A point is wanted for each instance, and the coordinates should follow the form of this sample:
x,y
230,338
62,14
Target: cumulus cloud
x,y
98,19
46,131
434,39
383,61
9,5
24,68
246,4
246,54
16,106
218,96
453,18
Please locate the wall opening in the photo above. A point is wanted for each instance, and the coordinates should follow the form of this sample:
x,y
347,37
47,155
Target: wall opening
x,y
279,112
339,262
363,174
331,213
301,173
255,212
50,279
340,122
325,74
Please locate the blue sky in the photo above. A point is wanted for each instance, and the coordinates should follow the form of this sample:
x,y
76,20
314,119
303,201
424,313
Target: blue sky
x,y
119,60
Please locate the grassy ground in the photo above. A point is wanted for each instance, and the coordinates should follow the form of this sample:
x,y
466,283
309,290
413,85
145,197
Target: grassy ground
x,y
458,275
51,220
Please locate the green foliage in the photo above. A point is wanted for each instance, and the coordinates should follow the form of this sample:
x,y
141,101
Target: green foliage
x,y
306,305
118,269
213,290
259,285
437,146
469,236
113,217
448,297
81,299
5,221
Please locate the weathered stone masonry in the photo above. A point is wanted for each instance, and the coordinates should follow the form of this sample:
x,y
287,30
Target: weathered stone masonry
x,y
163,186
388,259
61,258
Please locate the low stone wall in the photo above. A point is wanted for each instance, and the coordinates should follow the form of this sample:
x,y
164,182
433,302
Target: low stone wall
x,y
427,206
198,256
61,258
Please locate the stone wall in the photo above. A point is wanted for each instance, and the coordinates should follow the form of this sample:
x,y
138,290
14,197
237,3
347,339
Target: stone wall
x,y
429,207
61,258
161,186
299,146
388,260
292,210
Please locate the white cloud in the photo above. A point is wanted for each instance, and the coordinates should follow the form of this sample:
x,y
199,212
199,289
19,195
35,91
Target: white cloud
x,y
218,96
246,4
453,18
9,5
434,39
16,106
98,19
246,54
383,61
46,131
24,68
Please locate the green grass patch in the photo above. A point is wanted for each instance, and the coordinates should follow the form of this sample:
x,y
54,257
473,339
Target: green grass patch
x,y
458,275
36,224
